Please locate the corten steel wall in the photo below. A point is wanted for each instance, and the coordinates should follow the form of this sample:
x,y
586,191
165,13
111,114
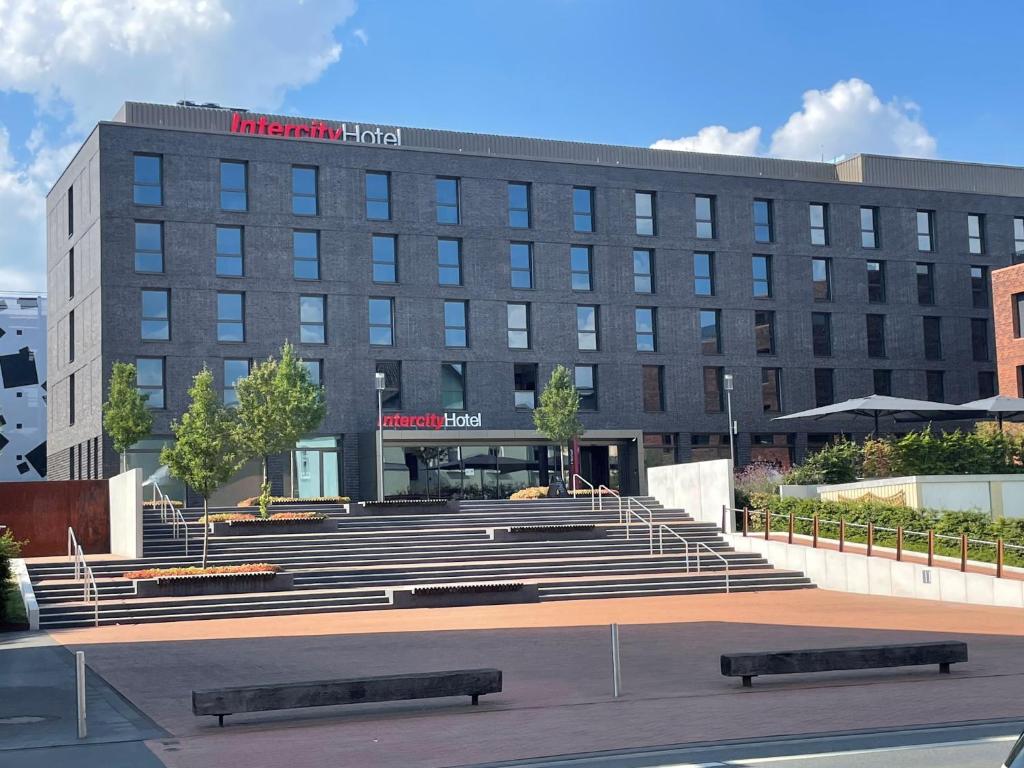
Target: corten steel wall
x,y
1009,348
42,512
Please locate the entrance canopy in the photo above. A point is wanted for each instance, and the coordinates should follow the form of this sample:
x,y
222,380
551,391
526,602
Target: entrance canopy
x,y
900,408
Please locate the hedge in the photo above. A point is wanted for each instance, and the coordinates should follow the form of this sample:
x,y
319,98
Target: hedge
x,y
10,548
977,525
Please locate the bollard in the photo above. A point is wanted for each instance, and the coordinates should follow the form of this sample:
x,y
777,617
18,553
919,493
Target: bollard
x,y
999,558
842,533
899,543
871,537
963,552
723,517
931,547
792,521
814,542
80,692
746,521
616,664
767,524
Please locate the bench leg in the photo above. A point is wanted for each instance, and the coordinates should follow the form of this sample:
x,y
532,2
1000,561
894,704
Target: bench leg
x,y
944,668
476,699
748,681
220,720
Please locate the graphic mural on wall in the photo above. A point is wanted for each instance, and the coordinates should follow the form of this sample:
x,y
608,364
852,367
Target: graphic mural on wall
x,y
22,388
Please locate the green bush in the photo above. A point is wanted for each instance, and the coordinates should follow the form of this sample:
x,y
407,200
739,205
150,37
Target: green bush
x,y
838,462
10,548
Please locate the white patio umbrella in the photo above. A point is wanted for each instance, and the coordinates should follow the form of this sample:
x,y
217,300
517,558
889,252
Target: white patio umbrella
x,y
900,408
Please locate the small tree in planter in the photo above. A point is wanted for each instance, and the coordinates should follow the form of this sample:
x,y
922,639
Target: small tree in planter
x,y
205,453
277,405
557,415
125,415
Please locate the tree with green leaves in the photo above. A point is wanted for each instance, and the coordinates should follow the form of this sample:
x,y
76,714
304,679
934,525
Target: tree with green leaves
x,y
205,453
556,417
125,415
277,406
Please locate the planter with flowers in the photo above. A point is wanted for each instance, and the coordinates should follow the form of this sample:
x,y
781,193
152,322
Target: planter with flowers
x,y
214,580
246,524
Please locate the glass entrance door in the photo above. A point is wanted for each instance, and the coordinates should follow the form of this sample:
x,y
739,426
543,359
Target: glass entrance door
x,y
316,468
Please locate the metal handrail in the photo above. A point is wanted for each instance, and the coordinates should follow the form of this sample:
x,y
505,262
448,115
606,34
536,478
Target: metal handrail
x,y
697,545
590,485
178,520
90,580
75,551
648,521
600,499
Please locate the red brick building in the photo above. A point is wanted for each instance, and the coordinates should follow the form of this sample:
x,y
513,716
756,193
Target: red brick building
x,y
1008,311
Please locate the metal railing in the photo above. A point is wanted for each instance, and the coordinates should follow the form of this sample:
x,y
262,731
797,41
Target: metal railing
x,y
168,510
90,585
697,547
584,480
75,552
627,513
600,498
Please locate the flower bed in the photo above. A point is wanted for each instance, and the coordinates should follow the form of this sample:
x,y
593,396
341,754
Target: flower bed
x,y
151,504
242,524
215,580
536,492
248,569
253,501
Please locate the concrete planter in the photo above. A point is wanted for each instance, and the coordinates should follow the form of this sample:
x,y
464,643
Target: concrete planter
x,y
374,508
261,527
220,584
549,533
456,596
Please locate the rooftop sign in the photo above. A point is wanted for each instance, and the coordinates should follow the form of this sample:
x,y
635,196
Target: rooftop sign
x,y
316,129
430,421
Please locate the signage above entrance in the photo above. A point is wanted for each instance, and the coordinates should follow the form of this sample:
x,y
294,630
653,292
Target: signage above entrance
x,y
316,129
431,421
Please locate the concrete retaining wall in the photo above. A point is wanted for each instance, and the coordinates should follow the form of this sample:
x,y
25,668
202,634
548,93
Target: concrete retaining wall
x,y
701,488
126,514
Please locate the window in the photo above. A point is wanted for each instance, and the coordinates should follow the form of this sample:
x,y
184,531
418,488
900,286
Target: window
x,y
453,386
524,377
821,279
975,233
763,226
824,386
382,322
659,449
378,196
391,398
149,381
230,317
876,335
934,381
149,247
456,331
925,230
882,379
520,256
644,207
234,194
821,334
233,371
714,399
703,274
819,224
315,371
932,327
771,391
71,273
156,315
925,283
148,182
762,273
868,227
986,384
710,332
1018,314
704,213
979,339
585,380
71,210
313,319
586,328
1018,237
979,287
764,332
518,205
580,266
304,190
71,336
447,200
384,258
654,388
518,326
230,256
71,400
643,270
646,324
449,262
306,254
876,282
583,209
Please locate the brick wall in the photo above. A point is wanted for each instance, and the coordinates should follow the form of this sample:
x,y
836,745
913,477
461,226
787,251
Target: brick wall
x,y
1006,283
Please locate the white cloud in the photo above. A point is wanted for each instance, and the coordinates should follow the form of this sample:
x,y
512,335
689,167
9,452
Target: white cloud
x,y
716,139
362,36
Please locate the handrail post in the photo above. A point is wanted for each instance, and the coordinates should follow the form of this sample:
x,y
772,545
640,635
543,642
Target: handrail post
x,y
746,521
842,533
871,537
999,558
723,518
899,543
767,524
792,524
814,541
931,547
963,553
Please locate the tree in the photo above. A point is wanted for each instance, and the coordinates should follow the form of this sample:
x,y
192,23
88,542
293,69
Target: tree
x,y
205,454
277,405
125,415
556,416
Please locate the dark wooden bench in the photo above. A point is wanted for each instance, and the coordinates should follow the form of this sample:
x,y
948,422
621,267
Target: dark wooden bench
x,y
326,693
750,665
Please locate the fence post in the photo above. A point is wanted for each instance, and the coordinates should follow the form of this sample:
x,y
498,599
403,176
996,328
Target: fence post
x,y
767,524
899,543
814,543
80,693
746,521
931,547
792,522
871,537
842,533
723,517
963,552
999,558
616,664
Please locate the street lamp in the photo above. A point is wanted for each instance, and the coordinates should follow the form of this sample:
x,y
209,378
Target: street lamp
x,y
727,383
379,383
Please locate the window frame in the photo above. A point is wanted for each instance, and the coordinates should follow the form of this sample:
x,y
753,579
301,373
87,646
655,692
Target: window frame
x,y
234,382
716,314
368,200
882,352
582,331
588,214
872,231
390,325
523,330
709,278
815,283
315,196
375,262
642,276
243,190
641,336
644,222
514,212
444,268
587,394
296,259
879,287
159,185
769,316
145,389
925,283
440,206
460,369
574,273
823,228
322,324
144,318
455,328
710,222
824,350
976,242
979,291
145,252
223,322
534,369
766,259
767,374
768,224
928,232
659,381
931,330
514,270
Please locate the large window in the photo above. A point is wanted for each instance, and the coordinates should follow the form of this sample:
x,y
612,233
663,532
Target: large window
x,y
714,391
764,332
819,223
149,381
234,192
710,332
704,214
764,228
382,322
520,258
979,287
876,335
391,399
586,328
384,258
518,205
932,327
771,390
925,283
585,379
979,340
304,190
456,324
824,387
876,282
233,371
230,256
447,191
524,378
230,317
975,233
453,386
644,206
449,261
314,370
821,279
986,384
926,230
148,180
703,274
654,388
156,315
378,196
821,334
518,326
646,323
869,227
313,319
882,380
936,385
583,209
580,265
149,247
306,254
643,270
761,264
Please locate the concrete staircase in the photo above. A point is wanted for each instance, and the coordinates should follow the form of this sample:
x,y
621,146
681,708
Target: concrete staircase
x,y
355,568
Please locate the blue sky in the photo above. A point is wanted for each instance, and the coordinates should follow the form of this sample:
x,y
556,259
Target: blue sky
x,y
792,79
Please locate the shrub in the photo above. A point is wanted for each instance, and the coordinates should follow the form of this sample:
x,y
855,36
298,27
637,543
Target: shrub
x,y
10,548
536,492
253,501
244,569
150,504
226,517
757,477
838,462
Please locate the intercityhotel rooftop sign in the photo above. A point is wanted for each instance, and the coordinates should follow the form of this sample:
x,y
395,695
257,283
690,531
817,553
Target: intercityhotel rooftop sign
x,y
430,421
316,129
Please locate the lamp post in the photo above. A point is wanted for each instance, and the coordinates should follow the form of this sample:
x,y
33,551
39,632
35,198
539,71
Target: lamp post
x,y
727,383
379,383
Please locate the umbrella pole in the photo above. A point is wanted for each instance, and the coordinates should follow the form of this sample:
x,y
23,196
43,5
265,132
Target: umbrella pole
x,y
1000,417
876,424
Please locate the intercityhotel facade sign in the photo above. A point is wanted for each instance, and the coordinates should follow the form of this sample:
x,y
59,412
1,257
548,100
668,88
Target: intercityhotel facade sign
x,y
353,133
430,421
